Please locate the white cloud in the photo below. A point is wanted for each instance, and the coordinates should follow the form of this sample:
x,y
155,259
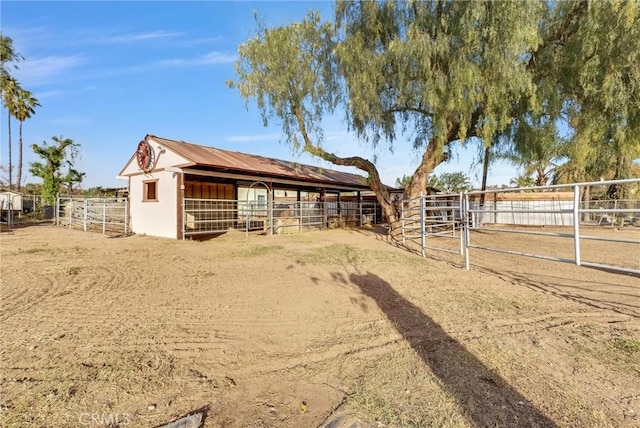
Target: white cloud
x,y
48,94
141,37
39,71
211,58
200,41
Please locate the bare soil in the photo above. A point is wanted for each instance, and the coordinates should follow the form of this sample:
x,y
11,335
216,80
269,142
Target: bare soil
x,y
317,329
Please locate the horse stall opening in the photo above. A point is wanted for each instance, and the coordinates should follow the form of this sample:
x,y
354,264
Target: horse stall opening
x,y
213,208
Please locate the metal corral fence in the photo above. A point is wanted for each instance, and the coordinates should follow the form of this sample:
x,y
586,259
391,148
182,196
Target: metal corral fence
x,y
209,216
17,207
106,215
579,214
429,220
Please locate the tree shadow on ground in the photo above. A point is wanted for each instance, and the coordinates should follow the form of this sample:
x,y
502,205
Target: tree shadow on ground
x,y
612,290
486,398
617,297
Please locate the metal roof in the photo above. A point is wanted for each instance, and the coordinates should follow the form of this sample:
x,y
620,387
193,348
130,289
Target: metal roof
x,y
229,161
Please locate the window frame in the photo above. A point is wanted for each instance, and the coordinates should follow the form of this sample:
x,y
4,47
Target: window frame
x,y
145,190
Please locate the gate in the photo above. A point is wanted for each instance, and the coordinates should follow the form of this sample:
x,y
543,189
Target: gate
x,y
433,222
106,215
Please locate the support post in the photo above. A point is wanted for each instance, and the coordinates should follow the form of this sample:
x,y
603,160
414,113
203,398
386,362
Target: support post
x,y
422,226
465,229
576,223
104,216
271,205
359,199
85,216
461,230
402,221
323,201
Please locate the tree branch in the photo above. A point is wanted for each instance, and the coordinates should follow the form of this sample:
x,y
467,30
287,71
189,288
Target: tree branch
x,y
355,161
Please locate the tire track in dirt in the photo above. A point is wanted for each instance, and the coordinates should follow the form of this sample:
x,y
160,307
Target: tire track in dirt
x,y
546,322
20,297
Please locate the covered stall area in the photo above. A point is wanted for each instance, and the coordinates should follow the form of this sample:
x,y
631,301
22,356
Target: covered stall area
x,y
183,190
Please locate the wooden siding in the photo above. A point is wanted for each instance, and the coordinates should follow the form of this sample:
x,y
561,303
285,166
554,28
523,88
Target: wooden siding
x,y
199,190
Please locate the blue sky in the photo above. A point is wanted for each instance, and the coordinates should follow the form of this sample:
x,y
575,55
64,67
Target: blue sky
x,y
108,73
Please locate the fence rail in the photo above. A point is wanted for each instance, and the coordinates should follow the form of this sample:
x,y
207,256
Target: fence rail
x,y
210,216
429,218
106,215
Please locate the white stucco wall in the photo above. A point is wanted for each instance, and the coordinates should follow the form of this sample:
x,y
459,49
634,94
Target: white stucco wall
x,y
155,218
252,193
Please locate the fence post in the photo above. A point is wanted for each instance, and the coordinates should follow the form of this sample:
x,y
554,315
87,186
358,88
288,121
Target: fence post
x,y
576,222
126,217
465,229
422,226
104,216
85,216
72,207
402,221
325,217
272,205
248,218
301,216
57,209
461,208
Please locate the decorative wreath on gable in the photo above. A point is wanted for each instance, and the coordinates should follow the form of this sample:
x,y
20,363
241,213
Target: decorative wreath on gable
x,y
144,155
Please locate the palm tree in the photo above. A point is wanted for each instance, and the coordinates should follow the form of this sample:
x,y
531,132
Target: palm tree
x,y
8,85
522,181
10,88
24,108
537,148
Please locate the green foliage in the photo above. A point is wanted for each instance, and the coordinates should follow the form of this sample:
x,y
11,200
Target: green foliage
x,y
25,104
445,71
627,345
523,181
32,188
289,71
450,182
403,182
7,53
19,102
537,148
56,157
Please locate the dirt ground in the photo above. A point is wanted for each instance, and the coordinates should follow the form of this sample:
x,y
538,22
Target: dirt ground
x,y
312,330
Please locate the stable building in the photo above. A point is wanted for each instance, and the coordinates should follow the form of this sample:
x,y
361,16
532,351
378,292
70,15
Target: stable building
x,y
179,190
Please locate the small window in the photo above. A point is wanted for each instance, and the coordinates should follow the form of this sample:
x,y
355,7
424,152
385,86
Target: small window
x,y
150,191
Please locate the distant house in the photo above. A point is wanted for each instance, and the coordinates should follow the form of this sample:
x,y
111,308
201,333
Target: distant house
x,y
177,189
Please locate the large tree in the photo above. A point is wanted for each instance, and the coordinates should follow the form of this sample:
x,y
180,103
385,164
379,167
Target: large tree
x,y
440,72
450,182
56,157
